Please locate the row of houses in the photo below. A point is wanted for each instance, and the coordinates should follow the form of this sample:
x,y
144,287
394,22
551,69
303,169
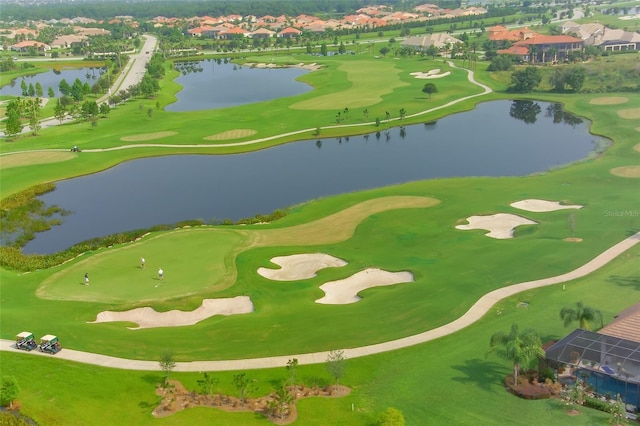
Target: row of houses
x,y
529,46
80,37
367,17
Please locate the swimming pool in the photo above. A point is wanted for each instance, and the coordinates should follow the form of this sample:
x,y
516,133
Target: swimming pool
x,y
609,386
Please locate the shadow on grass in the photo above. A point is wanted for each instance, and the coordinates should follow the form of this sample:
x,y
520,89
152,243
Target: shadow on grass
x,y
152,379
312,381
146,406
482,373
625,281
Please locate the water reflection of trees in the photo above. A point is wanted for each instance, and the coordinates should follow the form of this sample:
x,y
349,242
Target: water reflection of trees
x,y
559,115
526,111
188,67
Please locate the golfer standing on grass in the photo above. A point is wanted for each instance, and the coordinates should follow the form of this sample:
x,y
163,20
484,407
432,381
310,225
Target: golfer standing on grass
x,y
160,274
142,262
86,278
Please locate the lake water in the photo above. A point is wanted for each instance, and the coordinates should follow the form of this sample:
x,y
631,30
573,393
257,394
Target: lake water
x,y
210,85
498,138
52,79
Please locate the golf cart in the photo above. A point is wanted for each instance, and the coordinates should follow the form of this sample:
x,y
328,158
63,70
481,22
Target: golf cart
x,y
50,344
26,341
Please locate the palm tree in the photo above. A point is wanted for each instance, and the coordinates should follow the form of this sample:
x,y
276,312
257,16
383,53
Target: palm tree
x,y
518,346
585,316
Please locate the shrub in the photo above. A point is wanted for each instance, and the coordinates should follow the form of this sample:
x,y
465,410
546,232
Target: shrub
x,y
391,417
597,404
525,389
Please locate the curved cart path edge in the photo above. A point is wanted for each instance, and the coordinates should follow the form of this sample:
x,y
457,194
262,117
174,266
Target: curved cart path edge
x,y
477,311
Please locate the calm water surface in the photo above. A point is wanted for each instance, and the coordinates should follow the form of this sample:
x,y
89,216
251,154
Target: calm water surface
x,y
211,85
51,79
487,141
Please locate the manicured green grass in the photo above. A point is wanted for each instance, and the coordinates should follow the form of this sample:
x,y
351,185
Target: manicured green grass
x,y
450,380
369,82
446,381
117,276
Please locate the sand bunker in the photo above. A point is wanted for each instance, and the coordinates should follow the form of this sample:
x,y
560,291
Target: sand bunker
x,y
31,158
499,225
147,136
611,100
435,73
310,67
150,318
637,147
231,134
300,266
533,205
626,171
630,114
346,291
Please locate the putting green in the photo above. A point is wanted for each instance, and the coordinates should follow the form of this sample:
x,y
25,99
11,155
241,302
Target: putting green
x,y
197,260
192,261
370,81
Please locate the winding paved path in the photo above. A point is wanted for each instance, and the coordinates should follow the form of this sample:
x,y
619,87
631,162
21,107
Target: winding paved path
x,y
479,309
470,75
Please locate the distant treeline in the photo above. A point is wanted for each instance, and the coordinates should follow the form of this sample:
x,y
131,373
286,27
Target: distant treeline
x,y
188,8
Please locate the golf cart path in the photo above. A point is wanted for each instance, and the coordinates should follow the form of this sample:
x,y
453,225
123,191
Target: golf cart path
x,y
470,76
477,311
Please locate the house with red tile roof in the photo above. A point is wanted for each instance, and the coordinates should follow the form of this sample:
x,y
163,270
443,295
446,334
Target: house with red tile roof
x,y
262,33
500,33
23,46
543,48
234,32
203,31
289,32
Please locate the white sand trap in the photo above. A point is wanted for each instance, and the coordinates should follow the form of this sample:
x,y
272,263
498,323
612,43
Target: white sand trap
x,y
534,205
346,291
150,318
499,225
300,266
434,73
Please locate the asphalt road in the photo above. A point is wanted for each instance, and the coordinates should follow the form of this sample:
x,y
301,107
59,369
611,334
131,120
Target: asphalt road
x,y
132,74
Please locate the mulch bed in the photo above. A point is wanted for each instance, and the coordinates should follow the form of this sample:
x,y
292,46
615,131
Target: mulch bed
x,y
175,397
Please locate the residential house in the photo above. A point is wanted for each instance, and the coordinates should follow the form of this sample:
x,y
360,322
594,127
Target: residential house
x,y
422,43
615,40
68,41
608,360
24,46
501,33
543,48
262,33
232,33
289,32
203,31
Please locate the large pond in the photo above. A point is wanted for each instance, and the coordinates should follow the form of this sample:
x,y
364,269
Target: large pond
x,y
212,84
52,79
499,138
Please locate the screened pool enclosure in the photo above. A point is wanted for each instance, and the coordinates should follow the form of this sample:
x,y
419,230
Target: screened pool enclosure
x,y
610,363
